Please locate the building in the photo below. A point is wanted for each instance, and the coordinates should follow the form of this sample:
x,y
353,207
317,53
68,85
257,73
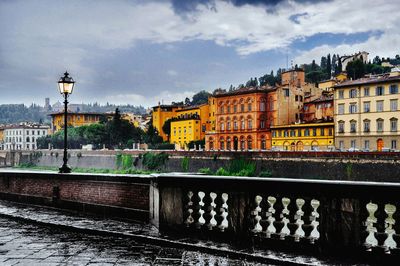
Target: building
x,y
1,137
190,124
367,113
312,136
23,136
162,113
241,118
349,58
286,100
76,119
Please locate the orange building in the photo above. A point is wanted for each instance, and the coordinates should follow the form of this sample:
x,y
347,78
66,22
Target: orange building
x,y
241,120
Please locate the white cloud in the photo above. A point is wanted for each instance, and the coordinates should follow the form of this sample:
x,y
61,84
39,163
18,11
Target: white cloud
x,y
166,97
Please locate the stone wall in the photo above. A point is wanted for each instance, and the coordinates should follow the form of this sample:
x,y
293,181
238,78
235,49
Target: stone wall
x,y
313,165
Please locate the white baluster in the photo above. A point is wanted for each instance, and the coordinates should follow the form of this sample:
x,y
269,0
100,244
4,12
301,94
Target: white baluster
x,y
189,219
389,223
314,235
299,233
201,220
270,217
257,218
285,229
213,222
371,240
224,209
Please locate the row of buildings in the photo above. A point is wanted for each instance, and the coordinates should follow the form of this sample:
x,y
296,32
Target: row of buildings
x,y
335,114
23,136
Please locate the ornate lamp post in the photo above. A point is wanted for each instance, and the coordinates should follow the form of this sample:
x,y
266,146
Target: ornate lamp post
x,y
66,86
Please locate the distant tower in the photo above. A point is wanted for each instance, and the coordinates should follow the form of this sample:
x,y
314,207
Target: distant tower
x,y
47,104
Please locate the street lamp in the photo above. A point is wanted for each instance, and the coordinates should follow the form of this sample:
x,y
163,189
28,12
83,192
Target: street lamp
x,y
66,86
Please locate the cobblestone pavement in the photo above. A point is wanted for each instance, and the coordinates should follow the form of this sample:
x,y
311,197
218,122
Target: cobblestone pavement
x,y
27,244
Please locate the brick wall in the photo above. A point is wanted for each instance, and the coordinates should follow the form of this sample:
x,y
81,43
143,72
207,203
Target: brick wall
x,y
126,196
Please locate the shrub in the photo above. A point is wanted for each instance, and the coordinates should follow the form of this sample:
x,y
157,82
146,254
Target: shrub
x,y
265,173
118,160
242,167
222,172
206,171
127,161
154,161
185,163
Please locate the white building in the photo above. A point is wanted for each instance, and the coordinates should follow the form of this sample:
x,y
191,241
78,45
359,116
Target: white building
x,y
23,136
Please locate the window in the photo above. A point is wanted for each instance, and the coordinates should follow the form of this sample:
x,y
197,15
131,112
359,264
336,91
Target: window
x,y
341,109
249,107
314,132
353,93
235,125
242,107
366,91
286,92
394,144
366,144
393,125
353,108
330,132
379,106
249,124
379,91
379,125
235,109
393,89
262,124
393,105
228,109
353,125
249,144
242,124
262,106
322,132
353,143
299,132
367,107
222,109
341,127
367,125
307,132
341,94
286,133
228,125
292,133
222,126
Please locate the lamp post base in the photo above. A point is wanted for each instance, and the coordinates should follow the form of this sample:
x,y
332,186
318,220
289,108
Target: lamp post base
x,y
64,169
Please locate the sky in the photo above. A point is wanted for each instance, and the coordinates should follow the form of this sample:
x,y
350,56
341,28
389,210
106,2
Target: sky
x,y
142,52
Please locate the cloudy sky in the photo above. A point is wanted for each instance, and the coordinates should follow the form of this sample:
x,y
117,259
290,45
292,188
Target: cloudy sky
x,y
142,52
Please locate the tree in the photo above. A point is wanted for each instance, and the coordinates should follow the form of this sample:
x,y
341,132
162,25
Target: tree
x,y
166,128
323,62
187,101
339,67
328,66
201,97
355,69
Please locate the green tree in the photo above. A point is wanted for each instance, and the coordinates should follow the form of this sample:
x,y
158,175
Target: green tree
x,y
166,128
328,66
355,69
201,97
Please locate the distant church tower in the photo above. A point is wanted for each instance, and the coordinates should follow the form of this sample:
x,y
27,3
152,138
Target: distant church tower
x,y
47,104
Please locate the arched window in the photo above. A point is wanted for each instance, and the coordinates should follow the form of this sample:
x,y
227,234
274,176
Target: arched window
x,y
249,123
262,121
242,143
262,104
222,126
242,123
249,143
211,144
228,143
221,144
263,143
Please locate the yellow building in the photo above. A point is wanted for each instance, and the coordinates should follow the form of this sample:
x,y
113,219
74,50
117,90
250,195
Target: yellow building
x,y
162,113
190,124
303,137
76,119
212,105
367,113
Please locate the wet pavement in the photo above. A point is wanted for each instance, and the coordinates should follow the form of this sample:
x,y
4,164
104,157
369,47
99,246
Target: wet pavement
x,y
23,243
37,235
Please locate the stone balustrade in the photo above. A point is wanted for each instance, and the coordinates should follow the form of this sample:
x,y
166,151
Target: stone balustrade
x,y
326,216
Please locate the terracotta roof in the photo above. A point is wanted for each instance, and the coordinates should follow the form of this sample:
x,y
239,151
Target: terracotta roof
x,y
80,113
373,80
245,90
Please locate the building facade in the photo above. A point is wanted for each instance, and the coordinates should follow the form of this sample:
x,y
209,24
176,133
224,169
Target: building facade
x,y
241,120
367,113
190,124
76,119
23,136
162,113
